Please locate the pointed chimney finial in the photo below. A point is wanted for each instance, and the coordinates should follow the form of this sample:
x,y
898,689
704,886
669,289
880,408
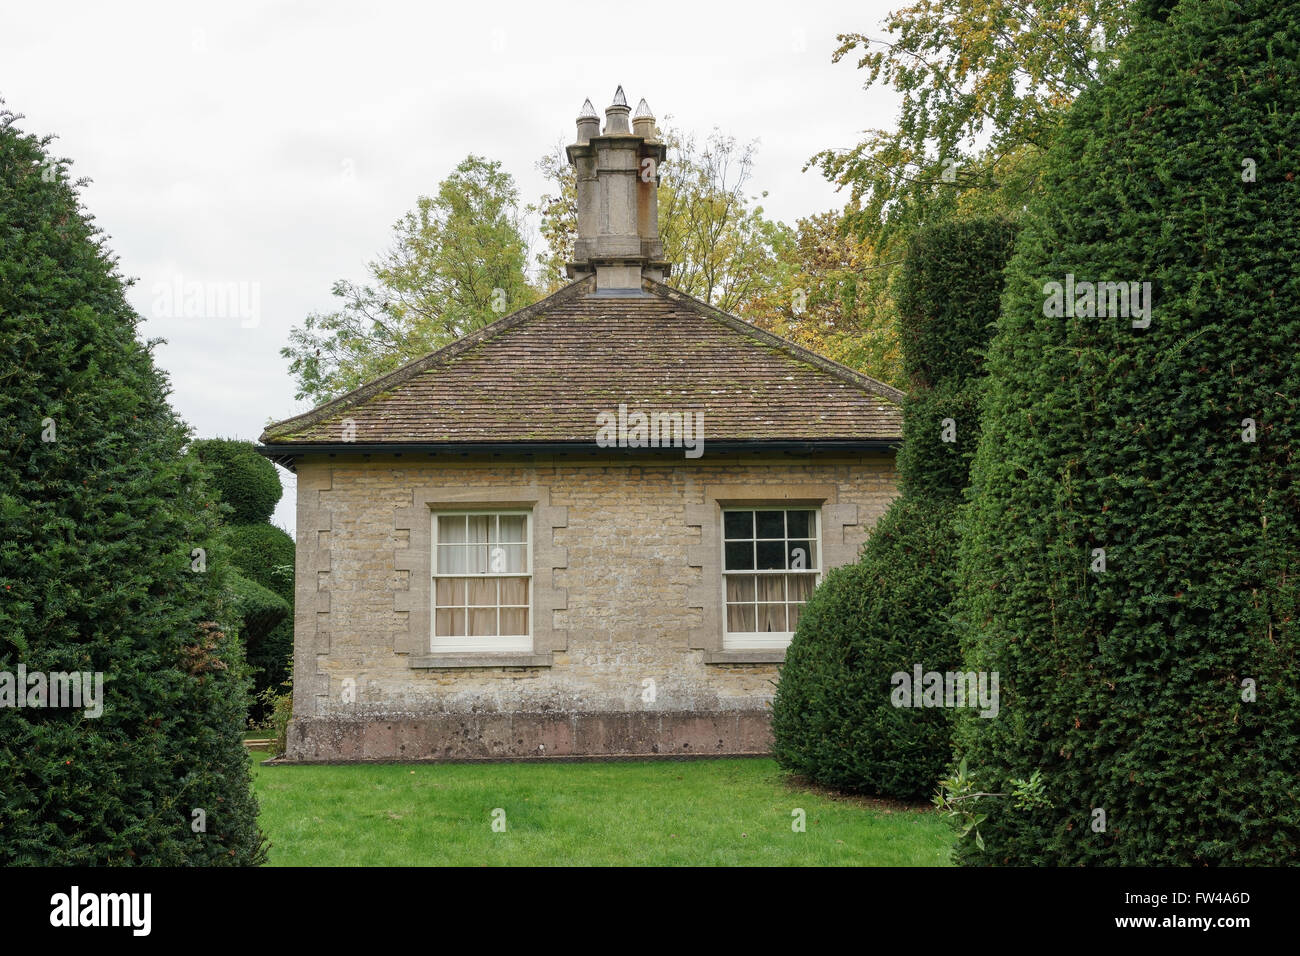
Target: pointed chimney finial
x,y
643,123
588,122
616,114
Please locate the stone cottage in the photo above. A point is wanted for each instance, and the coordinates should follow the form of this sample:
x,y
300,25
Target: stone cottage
x,y
586,529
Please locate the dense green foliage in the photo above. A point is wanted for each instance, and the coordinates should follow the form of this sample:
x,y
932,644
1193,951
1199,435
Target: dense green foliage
x,y
260,608
948,295
258,550
263,555
245,480
833,718
100,514
1162,690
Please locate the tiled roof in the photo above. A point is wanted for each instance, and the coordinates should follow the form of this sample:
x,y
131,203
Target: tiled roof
x,y
544,373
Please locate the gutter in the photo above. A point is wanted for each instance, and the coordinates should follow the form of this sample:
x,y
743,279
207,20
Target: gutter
x,y
287,454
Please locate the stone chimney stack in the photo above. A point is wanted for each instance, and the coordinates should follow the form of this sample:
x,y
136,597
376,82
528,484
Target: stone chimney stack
x,y
618,206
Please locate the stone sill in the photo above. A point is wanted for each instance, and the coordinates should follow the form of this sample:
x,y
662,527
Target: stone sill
x,y
771,656
480,660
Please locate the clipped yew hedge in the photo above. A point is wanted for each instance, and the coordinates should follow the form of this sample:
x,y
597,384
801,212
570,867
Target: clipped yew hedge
x,y
1158,697
244,479
100,513
260,608
258,550
833,718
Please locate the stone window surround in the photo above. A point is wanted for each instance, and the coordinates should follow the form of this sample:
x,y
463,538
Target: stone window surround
x,y
836,518
416,600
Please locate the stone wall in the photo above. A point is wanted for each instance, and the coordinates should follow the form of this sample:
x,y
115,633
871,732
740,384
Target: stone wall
x,y
626,590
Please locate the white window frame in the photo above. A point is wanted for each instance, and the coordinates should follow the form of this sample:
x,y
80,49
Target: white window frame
x,y
762,640
487,645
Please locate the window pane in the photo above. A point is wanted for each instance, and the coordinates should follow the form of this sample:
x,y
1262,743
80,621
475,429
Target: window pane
x,y
800,586
740,618
451,529
482,592
481,527
798,524
453,559
514,528
514,621
507,559
738,524
514,591
450,622
740,587
771,524
802,554
771,587
483,622
476,558
771,617
771,555
739,556
793,611
443,623
451,592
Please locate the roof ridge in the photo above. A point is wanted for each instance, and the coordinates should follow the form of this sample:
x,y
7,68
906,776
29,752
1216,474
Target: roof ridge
x,y
840,371
397,376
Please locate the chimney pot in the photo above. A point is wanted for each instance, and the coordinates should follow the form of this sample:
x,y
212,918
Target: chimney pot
x,y
588,122
616,114
618,183
643,121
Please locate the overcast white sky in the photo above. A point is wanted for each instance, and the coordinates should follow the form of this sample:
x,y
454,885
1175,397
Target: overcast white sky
x,y
274,144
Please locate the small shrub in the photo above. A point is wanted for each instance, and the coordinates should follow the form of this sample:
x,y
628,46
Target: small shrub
x,y
833,720
278,707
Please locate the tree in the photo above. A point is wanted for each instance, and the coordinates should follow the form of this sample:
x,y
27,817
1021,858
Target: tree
x,y
723,249
836,718
984,84
457,262
104,528
822,297
1130,554
559,219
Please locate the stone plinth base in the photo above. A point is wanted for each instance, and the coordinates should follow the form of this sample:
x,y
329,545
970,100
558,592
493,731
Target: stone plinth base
x,y
524,735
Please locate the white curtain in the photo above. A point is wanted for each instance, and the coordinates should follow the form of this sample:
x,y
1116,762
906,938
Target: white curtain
x,y
488,545
482,544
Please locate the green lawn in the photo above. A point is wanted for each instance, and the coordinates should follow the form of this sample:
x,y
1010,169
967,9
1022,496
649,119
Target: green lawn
x,y
701,812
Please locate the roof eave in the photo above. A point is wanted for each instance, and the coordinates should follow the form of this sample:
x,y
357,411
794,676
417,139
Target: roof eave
x,y
287,454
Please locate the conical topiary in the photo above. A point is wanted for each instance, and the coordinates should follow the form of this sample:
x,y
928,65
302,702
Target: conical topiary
x,y
1131,559
103,523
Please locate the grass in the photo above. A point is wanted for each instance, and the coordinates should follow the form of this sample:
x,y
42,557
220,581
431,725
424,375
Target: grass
x,y
701,812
